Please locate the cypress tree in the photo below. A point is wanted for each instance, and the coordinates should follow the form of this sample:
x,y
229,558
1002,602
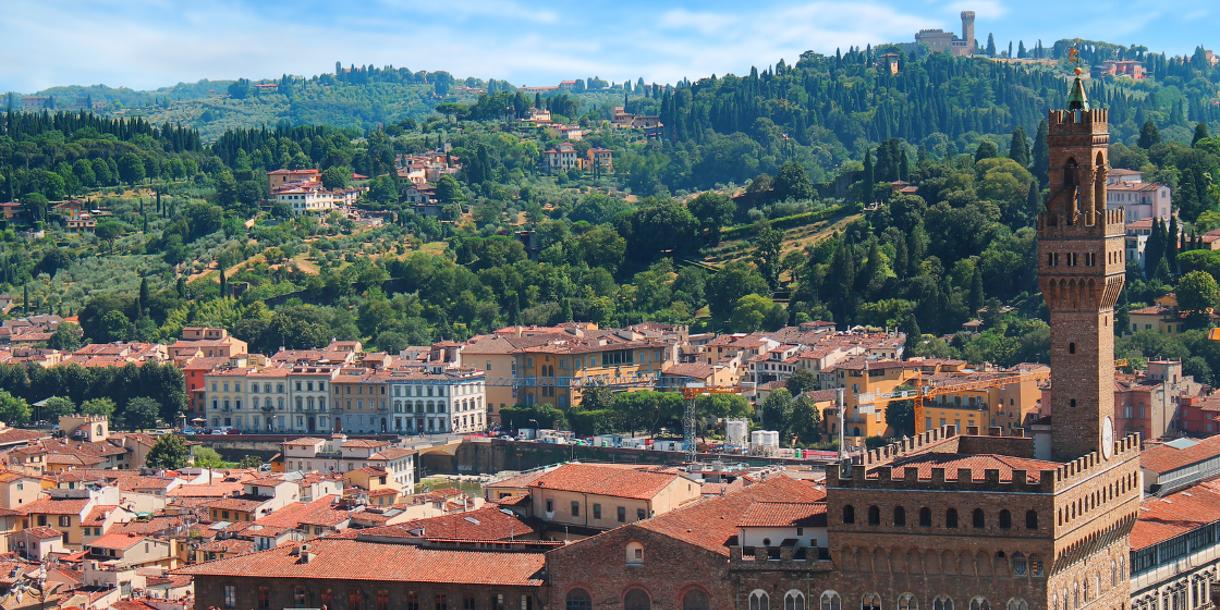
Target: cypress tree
x,y
1018,149
1033,200
1154,248
1042,156
910,327
869,178
1171,245
1200,133
1149,135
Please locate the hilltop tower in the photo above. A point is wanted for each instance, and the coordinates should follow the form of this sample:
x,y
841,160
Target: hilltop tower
x,y
968,31
1081,270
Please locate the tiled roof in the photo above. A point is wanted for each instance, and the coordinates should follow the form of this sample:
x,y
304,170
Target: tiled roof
x,y
341,559
42,533
606,480
212,490
712,524
1161,519
486,523
238,504
1166,457
51,506
784,514
319,512
116,541
977,464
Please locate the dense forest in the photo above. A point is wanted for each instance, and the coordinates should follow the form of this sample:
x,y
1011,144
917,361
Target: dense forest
x,y
767,200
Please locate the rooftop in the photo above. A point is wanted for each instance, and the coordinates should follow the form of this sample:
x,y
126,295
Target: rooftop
x,y
784,514
606,480
1179,453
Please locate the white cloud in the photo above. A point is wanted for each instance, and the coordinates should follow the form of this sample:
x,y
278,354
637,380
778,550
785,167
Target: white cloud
x,y
703,22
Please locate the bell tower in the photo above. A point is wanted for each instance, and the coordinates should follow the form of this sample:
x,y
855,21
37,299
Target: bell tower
x,y
1081,271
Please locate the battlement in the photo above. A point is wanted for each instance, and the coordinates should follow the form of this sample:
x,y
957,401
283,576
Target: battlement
x,y
1086,466
936,437
1056,225
1083,121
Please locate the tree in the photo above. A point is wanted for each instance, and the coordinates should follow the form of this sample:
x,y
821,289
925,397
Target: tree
x,y
103,407
249,461
768,244
800,381
1041,156
754,312
1018,149
13,410
713,211
792,182
1149,135
986,150
1201,133
1197,292
115,326
448,190
776,411
141,413
169,453
206,457
56,407
900,417
806,420
336,177
68,337
131,168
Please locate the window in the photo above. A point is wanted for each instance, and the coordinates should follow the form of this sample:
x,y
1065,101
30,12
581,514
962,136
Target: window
x,y
383,601
1019,566
874,515
597,511
942,603
925,517
298,597
977,519
550,504
1031,519
578,599
575,508
696,599
412,601
442,603
900,516
621,514
870,601
637,599
908,601
230,596
635,553
65,521
759,600
849,514
950,520
1017,603
640,515
467,603
794,600
830,601
979,603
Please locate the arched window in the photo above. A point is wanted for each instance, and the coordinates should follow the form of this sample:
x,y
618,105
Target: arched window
x,y
794,600
635,553
696,599
977,519
1019,566
1005,519
849,514
759,600
979,603
355,599
637,599
1031,519
874,515
1017,603
830,601
908,601
951,517
900,516
925,517
578,599
870,601
942,602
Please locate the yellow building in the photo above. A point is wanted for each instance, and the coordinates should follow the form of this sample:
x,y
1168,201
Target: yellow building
x,y
868,390
1159,318
985,400
558,372
604,496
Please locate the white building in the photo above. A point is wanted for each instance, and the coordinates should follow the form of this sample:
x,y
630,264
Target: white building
x,y
438,400
1127,190
338,454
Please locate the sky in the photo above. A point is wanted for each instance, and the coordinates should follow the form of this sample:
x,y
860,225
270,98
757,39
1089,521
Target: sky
x,y
145,44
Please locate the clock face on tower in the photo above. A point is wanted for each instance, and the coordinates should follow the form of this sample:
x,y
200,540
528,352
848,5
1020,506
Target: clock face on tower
x,y
1107,437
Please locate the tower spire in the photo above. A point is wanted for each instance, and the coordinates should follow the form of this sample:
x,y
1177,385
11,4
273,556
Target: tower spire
x,y
1077,100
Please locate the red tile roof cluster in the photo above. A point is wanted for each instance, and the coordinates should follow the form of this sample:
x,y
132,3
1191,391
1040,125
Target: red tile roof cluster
x,y
345,559
1161,519
712,524
784,514
486,523
1165,457
606,480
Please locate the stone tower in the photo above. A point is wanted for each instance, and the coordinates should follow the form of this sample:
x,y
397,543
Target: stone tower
x,y
1080,271
968,31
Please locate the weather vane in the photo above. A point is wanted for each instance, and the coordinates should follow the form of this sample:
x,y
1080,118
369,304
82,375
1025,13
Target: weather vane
x,y
1074,57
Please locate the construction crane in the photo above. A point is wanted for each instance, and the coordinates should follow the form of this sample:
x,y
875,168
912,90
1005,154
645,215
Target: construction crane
x,y
922,394
691,393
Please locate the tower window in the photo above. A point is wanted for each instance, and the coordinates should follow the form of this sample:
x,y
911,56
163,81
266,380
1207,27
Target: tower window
x,y
1072,403
1071,348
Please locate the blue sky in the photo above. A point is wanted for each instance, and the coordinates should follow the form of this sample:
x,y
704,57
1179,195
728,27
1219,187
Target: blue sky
x,y
150,43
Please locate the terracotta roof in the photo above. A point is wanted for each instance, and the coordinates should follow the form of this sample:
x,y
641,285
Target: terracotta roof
x,y
1166,457
606,480
116,541
1161,519
319,512
238,504
486,523
51,506
712,524
784,514
977,464
341,559
213,490
42,533
97,515
392,453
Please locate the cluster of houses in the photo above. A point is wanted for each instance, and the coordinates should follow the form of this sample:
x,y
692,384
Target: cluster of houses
x,y
302,191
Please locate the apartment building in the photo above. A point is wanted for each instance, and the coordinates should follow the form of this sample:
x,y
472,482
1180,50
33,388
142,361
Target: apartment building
x,y
338,454
437,399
